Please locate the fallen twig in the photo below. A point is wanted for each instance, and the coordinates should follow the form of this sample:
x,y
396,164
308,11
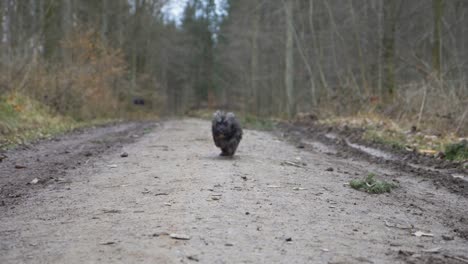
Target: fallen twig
x,y
457,258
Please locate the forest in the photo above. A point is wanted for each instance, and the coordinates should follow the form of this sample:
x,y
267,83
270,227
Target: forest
x,y
83,60
234,131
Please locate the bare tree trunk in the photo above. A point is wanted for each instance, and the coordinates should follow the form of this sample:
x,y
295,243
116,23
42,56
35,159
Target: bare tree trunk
x,y
7,28
307,65
335,34
40,26
423,105
134,50
2,27
120,25
459,40
34,21
318,49
254,64
380,48
388,44
104,22
289,59
67,26
362,64
438,9
462,120
6,38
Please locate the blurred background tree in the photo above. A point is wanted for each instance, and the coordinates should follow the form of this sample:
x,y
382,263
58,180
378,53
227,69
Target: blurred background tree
x,y
404,59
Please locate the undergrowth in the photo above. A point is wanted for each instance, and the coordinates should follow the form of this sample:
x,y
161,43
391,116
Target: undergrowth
x,y
381,130
457,151
23,119
371,185
253,122
46,98
391,138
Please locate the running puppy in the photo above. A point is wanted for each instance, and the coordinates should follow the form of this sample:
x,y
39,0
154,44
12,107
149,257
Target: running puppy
x,y
227,132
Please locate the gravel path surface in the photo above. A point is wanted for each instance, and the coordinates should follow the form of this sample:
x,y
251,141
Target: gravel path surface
x,y
174,200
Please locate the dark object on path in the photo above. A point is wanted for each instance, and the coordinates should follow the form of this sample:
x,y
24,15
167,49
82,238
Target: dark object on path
x,y
139,101
227,132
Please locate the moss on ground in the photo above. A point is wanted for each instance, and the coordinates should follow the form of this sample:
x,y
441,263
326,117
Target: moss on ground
x,y
23,119
371,185
381,130
390,138
253,122
457,151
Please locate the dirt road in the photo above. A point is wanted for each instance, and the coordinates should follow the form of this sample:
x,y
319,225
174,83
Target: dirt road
x,y
272,203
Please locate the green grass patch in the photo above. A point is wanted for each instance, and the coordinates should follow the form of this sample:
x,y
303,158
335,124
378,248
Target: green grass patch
x,y
457,151
386,137
23,120
381,130
206,114
253,122
372,185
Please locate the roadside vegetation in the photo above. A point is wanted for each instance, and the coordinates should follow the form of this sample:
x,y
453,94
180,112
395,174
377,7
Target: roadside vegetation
x,y
457,151
23,119
403,136
52,98
371,185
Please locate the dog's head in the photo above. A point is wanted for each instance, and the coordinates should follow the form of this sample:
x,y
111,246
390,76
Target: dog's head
x,y
222,124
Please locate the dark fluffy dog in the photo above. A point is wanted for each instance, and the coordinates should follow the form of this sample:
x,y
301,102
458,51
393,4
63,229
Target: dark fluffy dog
x,y
227,132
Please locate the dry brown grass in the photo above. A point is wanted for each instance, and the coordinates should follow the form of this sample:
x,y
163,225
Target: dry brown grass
x,y
433,108
39,98
91,83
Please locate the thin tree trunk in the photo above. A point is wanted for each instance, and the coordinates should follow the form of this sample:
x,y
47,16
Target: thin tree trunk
x,y
307,65
380,47
2,28
388,44
438,9
120,25
67,26
289,59
40,26
423,105
318,51
459,40
134,51
462,120
254,64
7,38
334,28
104,22
362,64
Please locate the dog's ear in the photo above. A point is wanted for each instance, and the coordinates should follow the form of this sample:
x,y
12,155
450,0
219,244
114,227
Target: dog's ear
x,y
230,116
218,116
